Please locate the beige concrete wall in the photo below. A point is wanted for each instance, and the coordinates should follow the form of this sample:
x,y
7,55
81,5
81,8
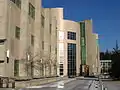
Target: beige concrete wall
x,y
89,37
94,54
37,48
73,27
57,15
3,29
14,16
50,40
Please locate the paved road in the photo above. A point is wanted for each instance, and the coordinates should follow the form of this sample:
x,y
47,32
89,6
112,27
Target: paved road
x,y
112,85
72,85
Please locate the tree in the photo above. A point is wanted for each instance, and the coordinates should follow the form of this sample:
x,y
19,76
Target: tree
x,y
115,69
41,64
105,55
31,62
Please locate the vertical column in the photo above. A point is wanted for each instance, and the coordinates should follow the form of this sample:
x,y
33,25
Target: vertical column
x,y
23,35
83,47
37,36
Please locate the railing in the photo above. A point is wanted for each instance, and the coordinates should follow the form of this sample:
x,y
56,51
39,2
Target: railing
x,y
6,82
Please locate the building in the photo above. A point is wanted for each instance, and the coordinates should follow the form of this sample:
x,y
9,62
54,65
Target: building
x,y
39,42
105,66
30,45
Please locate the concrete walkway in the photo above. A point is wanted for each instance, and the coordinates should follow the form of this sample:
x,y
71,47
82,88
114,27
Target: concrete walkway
x,y
54,84
36,82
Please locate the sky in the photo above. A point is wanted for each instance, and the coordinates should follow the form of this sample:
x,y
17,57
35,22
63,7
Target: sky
x,y
104,13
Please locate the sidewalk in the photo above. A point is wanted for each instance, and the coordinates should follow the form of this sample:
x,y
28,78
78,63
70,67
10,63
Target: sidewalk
x,y
37,82
54,84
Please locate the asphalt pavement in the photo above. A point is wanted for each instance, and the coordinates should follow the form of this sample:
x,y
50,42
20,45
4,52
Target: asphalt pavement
x,y
63,85
112,85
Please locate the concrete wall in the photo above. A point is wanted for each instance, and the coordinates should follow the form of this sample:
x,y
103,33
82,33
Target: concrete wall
x,y
14,16
57,15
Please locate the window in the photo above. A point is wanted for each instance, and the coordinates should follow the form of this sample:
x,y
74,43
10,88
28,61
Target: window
x,y
61,66
56,50
42,44
17,2
71,59
16,68
2,41
50,48
32,40
50,28
71,35
61,69
31,10
17,32
42,20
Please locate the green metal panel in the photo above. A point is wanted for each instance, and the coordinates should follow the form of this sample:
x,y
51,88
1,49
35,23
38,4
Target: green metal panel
x,y
97,42
83,43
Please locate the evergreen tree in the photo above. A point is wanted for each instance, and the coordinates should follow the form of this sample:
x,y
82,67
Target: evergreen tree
x,y
115,70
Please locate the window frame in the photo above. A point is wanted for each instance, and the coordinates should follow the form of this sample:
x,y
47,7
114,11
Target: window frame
x,y
31,11
71,35
17,32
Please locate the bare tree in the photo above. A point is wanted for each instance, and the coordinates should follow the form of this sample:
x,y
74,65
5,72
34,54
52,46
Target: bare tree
x,y
30,60
54,63
41,63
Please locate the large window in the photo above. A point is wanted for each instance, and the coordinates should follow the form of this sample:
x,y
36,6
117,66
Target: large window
x,y
42,44
17,2
17,32
71,59
31,10
71,35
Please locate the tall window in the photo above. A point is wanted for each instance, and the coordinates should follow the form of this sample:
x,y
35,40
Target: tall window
x,y
71,35
32,40
61,69
16,68
42,44
50,28
42,20
50,48
17,2
17,32
31,10
71,59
